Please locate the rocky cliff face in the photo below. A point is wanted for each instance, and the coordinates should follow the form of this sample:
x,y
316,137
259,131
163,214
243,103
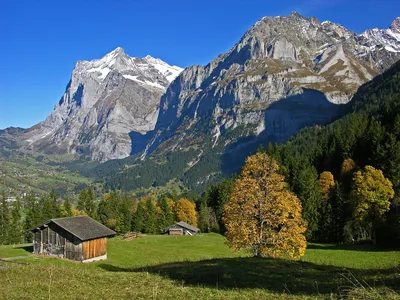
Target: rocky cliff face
x,y
285,73
105,100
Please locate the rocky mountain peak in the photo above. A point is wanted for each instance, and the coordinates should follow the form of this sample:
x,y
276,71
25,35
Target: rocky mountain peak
x,y
296,14
105,100
110,58
118,50
113,105
395,27
278,60
153,60
389,39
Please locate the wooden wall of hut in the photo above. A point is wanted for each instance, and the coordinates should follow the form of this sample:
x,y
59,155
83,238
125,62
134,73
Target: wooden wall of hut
x,y
94,248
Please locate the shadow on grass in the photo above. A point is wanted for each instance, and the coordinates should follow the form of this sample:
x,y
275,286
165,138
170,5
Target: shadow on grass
x,y
294,277
27,248
352,247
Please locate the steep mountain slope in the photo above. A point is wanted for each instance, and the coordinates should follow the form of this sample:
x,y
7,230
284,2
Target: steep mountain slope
x,y
369,134
284,74
387,38
105,100
278,58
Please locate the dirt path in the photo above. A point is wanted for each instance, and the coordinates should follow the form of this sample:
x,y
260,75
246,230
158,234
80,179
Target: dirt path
x,y
14,258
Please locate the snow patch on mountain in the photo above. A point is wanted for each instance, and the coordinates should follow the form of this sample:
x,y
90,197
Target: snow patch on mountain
x,y
106,100
388,38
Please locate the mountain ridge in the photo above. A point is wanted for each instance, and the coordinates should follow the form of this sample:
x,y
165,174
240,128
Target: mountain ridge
x,y
105,100
252,47
283,74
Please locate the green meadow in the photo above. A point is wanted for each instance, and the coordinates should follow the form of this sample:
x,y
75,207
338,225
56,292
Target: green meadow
x,y
202,267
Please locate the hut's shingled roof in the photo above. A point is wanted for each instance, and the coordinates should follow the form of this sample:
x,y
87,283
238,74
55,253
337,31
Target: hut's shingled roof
x,y
83,227
186,226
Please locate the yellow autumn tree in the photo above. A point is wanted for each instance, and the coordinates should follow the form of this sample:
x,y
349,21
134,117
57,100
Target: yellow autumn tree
x,y
185,211
262,215
372,194
77,212
327,182
346,168
171,204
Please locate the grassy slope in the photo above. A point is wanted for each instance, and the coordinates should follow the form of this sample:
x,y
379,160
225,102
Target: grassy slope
x,y
196,267
19,175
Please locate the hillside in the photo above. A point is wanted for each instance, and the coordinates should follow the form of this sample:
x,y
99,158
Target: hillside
x,y
370,134
204,269
268,86
40,174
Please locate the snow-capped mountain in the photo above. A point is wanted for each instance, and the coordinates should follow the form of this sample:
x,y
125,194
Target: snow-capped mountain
x,y
387,38
284,74
105,100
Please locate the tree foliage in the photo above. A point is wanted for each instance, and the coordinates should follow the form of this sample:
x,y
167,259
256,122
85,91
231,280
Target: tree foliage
x,y
87,203
150,222
4,221
16,226
372,194
347,167
262,214
327,182
167,217
185,211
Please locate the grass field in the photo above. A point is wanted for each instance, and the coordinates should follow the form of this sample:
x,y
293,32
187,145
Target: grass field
x,y
203,267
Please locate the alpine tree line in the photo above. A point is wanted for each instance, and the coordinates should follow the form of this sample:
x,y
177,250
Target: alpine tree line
x,y
115,209
347,174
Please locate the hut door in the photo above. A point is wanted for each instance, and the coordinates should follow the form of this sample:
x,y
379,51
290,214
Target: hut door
x,y
52,242
60,245
45,240
37,241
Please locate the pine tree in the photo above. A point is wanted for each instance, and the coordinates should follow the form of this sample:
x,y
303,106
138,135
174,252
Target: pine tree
x,y
4,221
108,209
87,203
66,210
16,236
150,222
124,217
50,209
204,226
307,188
138,220
166,216
338,212
32,215
56,210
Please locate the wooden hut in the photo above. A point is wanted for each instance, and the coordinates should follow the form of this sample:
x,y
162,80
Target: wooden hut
x,y
182,228
76,238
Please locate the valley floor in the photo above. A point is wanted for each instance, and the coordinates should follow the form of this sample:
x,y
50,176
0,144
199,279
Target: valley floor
x,y
202,267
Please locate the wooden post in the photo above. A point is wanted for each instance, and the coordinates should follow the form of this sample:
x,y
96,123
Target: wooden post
x,y
41,242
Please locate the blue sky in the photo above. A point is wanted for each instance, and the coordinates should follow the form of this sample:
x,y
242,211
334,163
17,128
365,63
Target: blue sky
x,y
41,40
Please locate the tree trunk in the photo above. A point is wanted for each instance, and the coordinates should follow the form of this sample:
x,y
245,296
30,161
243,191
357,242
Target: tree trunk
x,y
373,233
